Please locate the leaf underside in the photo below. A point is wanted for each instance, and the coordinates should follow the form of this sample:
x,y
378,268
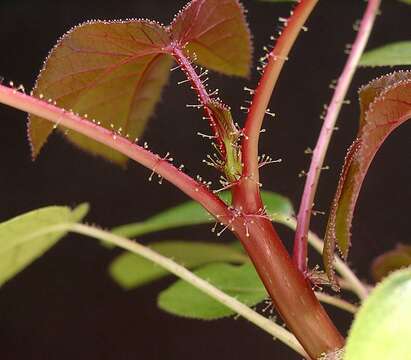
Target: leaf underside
x,y
385,105
114,71
131,271
240,282
22,241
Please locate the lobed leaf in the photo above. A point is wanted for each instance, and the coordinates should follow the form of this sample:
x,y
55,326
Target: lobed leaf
x,y
382,326
22,239
217,32
131,271
241,282
385,104
114,71
390,261
191,213
398,53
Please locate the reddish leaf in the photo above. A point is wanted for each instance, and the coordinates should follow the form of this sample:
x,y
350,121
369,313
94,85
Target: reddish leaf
x,y
114,71
217,32
385,104
111,71
390,261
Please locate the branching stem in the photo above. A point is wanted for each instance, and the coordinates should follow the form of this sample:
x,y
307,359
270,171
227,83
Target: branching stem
x,y
180,271
262,95
333,110
162,167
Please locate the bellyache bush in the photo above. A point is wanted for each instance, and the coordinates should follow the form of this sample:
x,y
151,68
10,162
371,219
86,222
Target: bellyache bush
x,y
99,87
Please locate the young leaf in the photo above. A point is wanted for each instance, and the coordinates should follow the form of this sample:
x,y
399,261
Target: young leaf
x,y
398,53
382,326
390,261
131,271
216,31
114,71
241,282
191,213
111,71
385,104
22,241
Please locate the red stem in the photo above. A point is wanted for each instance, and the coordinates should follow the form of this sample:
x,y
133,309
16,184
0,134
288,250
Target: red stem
x,y
262,96
289,290
162,167
304,214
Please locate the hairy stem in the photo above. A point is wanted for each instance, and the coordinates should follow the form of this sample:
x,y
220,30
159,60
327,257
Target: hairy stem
x,y
155,163
343,83
290,292
262,94
349,277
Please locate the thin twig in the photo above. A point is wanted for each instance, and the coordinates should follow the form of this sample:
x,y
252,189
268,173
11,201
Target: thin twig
x,y
333,110
180,271
337,302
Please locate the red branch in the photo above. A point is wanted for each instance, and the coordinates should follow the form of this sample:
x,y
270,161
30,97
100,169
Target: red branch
x,y
155,163
262,95
310,188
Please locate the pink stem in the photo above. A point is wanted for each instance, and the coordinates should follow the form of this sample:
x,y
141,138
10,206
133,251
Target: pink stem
x,y
162,167
262,96
304,214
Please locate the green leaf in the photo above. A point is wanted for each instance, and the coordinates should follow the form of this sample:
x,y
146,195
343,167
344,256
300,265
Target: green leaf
x,y
382,327
217,32
390,261
398,53
22,239
241,282
191,213
385,105
406,1
131,271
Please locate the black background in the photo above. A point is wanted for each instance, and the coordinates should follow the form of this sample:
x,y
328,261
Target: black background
x,y
65,306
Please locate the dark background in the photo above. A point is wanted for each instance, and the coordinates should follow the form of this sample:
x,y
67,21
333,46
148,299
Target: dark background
x,y
65,306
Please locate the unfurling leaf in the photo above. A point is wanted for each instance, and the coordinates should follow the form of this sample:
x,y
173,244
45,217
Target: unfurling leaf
x,y
385,104
131,271
381,328
240,282
25,238
114,71
398,53
390,261
216,31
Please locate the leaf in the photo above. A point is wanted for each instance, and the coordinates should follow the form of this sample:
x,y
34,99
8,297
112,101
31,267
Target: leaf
x,y
111,71
114,71
390,261
398,53
241,282
22,239
191,213
217,32
382,326
385,104
406,1
131,271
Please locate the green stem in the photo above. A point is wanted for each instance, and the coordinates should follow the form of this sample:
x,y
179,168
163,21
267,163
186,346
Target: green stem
x,y
180,271
334,301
